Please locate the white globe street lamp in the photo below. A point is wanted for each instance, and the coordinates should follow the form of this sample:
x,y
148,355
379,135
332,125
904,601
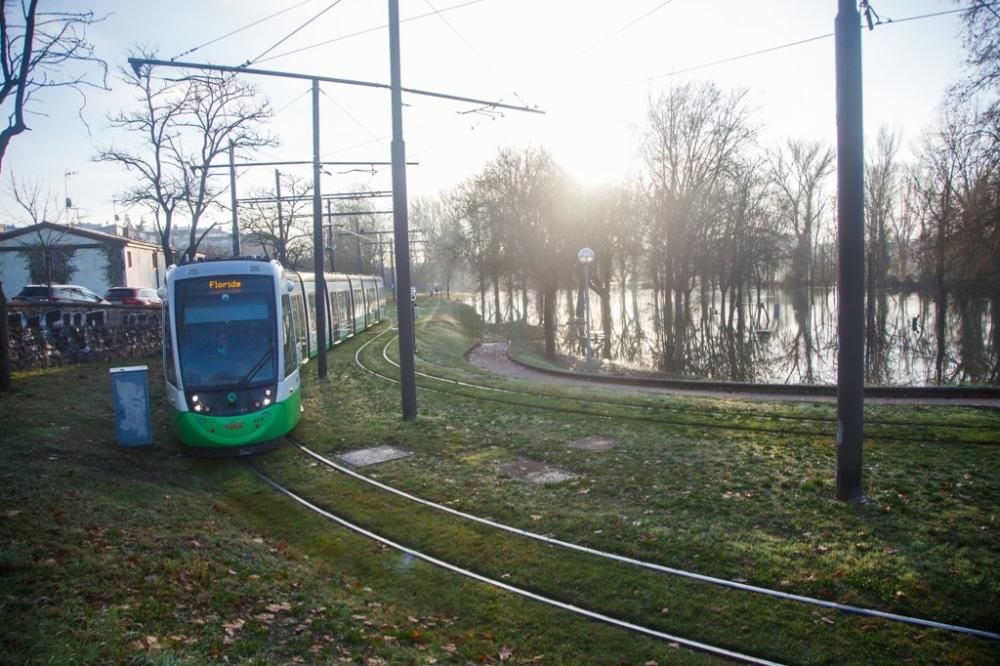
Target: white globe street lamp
x,y
586,257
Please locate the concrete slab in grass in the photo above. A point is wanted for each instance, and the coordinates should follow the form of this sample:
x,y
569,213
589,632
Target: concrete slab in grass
x,y
595,443
373,455
532,471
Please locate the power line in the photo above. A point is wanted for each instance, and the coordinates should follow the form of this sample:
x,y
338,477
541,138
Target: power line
x,y
880,21
355,120
239,30
468,43
293,32
739,57
369,30
627,26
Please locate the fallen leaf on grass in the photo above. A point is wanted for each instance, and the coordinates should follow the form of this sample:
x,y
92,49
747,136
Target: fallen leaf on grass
x,y
147,643
450,648
505,653
277,608
234,626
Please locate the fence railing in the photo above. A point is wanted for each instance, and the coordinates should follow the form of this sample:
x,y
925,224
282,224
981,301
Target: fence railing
x,y
46,335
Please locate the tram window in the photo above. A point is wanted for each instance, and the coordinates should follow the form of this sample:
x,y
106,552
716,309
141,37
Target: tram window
x,y
288,336
335,315
345,316
311,302
168,349
297,319
359,310
226,332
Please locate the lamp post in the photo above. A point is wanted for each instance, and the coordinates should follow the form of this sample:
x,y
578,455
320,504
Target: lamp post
x,y
66,200
586,257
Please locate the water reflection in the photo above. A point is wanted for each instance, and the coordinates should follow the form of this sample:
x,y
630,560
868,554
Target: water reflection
x,y
770,335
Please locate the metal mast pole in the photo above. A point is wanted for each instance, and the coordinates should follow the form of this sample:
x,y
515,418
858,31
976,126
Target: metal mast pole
x,y
404,312
318,240
232,199
851,253
281,229
330,235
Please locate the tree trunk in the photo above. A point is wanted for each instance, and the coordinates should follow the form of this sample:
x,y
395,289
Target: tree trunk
x,y
549,321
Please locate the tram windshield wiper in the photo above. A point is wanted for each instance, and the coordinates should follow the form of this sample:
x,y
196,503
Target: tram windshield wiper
x,y
255,369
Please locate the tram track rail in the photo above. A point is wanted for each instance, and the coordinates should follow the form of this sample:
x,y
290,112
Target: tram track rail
x,y
876,429
847,609
581,611
643,564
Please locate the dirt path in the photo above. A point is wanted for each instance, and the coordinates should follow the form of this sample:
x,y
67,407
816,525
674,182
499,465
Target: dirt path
x,y
492,357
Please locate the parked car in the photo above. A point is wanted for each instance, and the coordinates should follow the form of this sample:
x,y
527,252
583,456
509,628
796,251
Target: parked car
x,y
58,293
132,296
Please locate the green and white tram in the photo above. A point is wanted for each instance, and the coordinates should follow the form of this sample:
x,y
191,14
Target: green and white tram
x,y
235,334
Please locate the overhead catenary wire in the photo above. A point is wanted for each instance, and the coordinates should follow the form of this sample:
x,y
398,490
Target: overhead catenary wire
x,y
353,119
368,30
239,30
627,26
292,33
799,42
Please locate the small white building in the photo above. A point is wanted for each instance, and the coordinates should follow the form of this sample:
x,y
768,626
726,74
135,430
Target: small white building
x,y
55,253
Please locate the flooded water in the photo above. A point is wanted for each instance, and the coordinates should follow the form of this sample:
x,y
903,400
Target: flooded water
x,y
775,335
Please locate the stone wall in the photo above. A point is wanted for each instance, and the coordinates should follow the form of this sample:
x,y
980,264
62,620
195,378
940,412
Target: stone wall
x,y
42,336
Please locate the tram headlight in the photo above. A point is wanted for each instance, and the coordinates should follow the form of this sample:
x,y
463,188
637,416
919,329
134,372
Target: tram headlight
x,y
194,398
197,408
267,401
267,393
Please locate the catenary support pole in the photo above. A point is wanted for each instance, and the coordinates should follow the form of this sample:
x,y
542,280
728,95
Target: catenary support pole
x,y
318,240
404,313
282,250
232,199
850,233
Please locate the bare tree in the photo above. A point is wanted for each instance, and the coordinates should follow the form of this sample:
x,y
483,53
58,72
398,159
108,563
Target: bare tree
x,y
283,232
798,172
881,185
442,223
186,124
41,51
694,133
37,203
981,39
524,190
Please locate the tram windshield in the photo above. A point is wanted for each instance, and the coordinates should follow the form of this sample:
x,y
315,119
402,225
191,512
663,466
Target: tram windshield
x,y
226,331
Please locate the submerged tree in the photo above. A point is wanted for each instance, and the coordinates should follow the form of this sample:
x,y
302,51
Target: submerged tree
x,y
694,132
799,171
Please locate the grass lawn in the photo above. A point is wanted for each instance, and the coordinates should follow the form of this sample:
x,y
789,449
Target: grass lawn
x,y
149,556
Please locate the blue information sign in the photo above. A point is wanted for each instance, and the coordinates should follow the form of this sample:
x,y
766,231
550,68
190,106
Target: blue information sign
x,y
131,396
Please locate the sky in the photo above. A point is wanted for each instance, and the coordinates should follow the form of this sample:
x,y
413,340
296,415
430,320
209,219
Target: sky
x,y
591,66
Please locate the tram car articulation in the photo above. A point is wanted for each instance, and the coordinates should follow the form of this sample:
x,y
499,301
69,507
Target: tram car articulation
x,y
235,333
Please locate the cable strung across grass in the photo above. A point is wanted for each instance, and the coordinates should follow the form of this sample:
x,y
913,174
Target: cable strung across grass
x,y
844,608
593,615
783,431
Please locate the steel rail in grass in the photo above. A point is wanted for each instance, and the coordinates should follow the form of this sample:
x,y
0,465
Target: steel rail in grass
x,y
593,615
745,587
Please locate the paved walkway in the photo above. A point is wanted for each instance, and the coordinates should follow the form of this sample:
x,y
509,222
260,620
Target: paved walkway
x,y
492,356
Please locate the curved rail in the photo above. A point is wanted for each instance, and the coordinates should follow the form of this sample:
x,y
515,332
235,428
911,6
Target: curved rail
x,y
908,437
832,605
577,610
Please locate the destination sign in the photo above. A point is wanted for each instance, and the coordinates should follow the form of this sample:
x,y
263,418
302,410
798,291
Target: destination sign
x,y
224,283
